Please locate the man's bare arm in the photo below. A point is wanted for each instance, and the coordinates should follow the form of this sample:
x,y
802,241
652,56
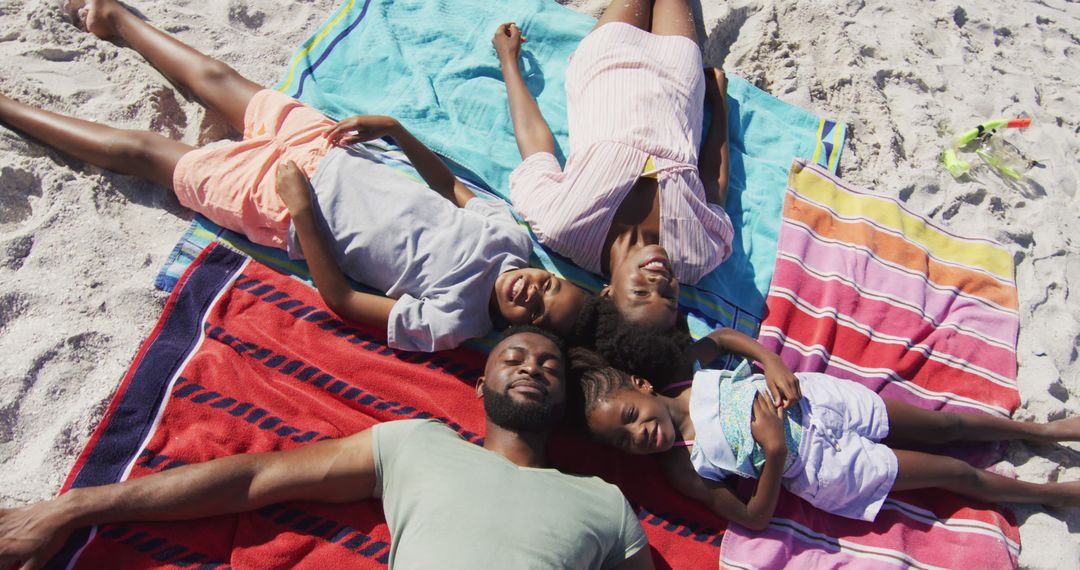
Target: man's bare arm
x,y
333,471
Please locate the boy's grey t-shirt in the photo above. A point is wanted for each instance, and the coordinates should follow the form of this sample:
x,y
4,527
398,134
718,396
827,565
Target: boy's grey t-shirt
x,y
400,237
452,504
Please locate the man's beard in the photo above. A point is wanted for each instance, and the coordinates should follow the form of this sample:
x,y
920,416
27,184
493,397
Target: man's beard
x,y
520,417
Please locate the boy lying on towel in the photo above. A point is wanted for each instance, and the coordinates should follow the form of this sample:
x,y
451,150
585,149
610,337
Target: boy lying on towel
x,y
453,266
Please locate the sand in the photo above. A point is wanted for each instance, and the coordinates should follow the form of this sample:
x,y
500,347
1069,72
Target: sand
x,y
79,247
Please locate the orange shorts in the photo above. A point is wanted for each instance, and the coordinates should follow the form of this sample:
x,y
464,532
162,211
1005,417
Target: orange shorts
x,y
233,183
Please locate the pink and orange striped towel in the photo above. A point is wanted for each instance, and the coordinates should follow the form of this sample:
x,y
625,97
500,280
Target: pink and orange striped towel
x,y
866,290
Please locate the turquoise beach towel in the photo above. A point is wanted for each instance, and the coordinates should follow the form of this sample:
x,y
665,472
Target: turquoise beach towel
x,y
430,64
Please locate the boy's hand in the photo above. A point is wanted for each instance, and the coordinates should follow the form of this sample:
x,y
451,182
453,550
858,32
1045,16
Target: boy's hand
x,y
767,426
360,128
782,382
292,186
507,42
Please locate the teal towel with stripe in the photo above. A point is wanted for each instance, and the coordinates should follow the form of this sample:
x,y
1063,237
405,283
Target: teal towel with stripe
x,y
430,64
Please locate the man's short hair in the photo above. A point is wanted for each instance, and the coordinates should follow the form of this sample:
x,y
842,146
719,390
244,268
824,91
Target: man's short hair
x,y
519,329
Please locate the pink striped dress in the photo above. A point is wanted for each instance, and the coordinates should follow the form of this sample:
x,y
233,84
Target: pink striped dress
x,y
631,95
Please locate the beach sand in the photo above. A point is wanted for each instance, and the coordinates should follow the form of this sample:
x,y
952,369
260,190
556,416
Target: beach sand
x,y
79,247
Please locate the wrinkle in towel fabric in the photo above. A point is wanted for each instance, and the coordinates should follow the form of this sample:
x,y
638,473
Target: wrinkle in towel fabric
x,y
868,291
430,64
245,359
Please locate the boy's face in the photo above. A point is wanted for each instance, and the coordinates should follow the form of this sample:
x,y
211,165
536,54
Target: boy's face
x,y
633,420
644,288
536,297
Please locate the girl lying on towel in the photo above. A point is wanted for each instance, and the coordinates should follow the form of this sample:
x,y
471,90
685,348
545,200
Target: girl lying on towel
x,y
633,202
826,446
452,265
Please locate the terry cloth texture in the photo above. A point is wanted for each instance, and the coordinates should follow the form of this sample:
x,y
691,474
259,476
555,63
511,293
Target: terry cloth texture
x,y
246,359
233,183
430,64
868,291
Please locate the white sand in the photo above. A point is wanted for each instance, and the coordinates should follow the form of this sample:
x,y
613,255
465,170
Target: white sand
x,y
79,247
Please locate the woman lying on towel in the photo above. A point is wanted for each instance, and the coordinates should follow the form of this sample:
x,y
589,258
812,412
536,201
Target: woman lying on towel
x,y
452,265
633,202
825,446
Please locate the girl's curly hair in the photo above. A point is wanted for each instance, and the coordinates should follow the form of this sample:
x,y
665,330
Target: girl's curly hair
x,y
590,381
654,354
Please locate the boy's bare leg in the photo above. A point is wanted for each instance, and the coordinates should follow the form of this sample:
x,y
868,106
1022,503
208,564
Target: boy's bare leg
x,y
919,470
673,18
140,153
214,83
637,13
913,424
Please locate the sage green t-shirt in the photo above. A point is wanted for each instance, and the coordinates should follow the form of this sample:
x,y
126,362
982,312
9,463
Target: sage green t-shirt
x,y
452,504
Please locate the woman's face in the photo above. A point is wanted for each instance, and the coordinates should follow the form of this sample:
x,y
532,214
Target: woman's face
x,y
644,289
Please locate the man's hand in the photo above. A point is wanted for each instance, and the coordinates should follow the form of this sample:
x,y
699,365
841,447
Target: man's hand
x,y
360,128
31,534
767,426
782,382
292,186
507,42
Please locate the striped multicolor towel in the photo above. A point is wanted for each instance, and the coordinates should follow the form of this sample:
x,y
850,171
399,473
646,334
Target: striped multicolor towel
x,y
245,359
430,64
868,291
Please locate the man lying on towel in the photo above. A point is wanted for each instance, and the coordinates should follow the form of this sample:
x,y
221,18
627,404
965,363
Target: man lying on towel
x,y
511,509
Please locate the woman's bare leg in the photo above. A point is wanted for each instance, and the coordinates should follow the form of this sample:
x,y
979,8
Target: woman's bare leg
x,y
673,18
214,83
637,13
914,424
919,470
140,153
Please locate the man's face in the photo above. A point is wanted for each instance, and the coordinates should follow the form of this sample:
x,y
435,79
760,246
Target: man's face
x,y
523,385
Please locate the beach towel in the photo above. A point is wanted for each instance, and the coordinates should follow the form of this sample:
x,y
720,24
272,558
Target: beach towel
x,y
868,291
246,359
430,64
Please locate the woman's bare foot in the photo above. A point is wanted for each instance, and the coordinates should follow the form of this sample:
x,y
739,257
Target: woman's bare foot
x,y
92,15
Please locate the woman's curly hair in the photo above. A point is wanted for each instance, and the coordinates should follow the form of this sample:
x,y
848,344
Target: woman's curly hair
x,y
654,354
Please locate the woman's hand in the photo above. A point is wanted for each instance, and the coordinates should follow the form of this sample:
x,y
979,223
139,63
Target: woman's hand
x,y
715,86
507,42
767,426
360,128
783,384
292,186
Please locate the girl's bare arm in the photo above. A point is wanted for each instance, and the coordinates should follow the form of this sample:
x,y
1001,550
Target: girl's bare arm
x,y
531,130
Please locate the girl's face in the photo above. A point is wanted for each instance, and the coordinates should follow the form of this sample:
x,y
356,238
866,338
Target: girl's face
x,y
634,420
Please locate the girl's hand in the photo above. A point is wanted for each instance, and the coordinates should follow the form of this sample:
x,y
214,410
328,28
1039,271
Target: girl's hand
x,y
783,384
507,42
767,426
360,128
292,186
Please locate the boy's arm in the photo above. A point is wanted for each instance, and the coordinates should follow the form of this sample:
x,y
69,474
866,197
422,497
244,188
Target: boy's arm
x,y
355,306
713,164
755,512
783,384
431,168
530,129
333,471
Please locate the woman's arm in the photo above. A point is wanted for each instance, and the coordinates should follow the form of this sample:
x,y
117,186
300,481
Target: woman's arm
x,y
432,169
334,471
755,512
364,308
713,164
783,384
531,130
